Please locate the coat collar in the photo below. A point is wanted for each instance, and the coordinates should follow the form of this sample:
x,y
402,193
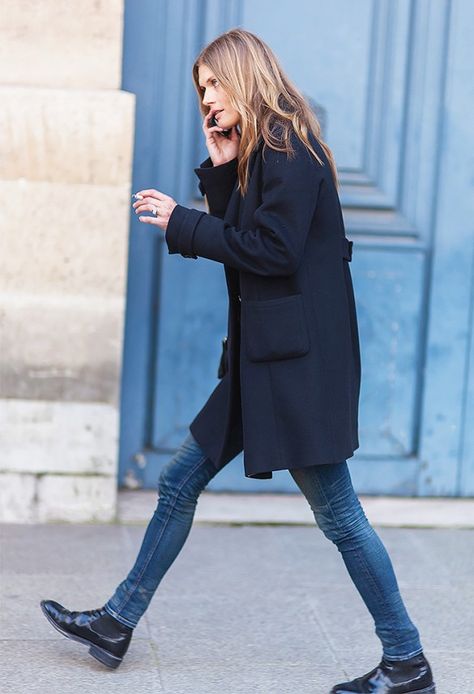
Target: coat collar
x,y
235,200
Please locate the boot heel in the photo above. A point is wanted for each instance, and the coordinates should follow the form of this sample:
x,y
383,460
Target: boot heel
x,y
105,658
428,690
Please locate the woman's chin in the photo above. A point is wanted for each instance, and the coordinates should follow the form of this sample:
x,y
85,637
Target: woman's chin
x,y
227,124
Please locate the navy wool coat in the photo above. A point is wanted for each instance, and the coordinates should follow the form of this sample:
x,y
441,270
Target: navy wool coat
x,y
290,395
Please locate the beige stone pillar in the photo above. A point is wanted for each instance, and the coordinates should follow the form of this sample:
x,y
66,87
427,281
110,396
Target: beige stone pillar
x,y
66,134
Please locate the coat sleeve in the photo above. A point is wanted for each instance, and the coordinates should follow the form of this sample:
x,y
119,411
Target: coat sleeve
x,y
217,184
275,243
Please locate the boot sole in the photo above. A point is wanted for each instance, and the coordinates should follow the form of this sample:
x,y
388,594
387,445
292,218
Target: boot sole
x,y
428,690
100,654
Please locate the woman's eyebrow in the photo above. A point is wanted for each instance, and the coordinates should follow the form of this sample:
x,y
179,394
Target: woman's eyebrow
x,y
208,80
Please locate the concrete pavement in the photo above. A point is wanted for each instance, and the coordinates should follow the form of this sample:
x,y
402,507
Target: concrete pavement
x,y
210,628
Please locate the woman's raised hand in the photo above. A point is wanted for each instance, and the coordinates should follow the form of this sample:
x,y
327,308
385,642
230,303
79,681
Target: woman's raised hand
x,y
159,204
221,148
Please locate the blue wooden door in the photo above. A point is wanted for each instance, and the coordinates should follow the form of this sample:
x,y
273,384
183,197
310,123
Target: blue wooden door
x,y
389,76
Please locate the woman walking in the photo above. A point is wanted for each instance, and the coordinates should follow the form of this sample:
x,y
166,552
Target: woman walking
x,y
290,369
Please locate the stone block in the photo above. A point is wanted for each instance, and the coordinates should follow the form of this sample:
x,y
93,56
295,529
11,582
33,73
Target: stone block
x,y
58,347
58,437
17,498
76,499
66,136
63,239
61,44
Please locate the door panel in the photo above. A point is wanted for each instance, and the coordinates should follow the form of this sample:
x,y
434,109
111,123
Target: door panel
x,y
379,69
326,49
388,289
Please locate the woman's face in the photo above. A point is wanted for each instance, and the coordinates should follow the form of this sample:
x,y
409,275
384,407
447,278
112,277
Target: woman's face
x,y
214,96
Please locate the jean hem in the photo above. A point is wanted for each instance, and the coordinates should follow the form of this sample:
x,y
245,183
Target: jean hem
x,y
123,620
411,654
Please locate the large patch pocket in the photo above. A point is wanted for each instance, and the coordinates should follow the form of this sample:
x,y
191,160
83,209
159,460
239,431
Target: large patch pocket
x,y
275,328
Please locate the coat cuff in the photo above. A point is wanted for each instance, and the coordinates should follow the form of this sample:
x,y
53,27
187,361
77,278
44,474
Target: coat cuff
x,y
214,179
180,230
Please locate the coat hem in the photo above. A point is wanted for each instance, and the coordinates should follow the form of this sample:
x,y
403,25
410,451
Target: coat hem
x,y
267,474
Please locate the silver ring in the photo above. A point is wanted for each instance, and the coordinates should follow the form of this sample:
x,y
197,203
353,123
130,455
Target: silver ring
x,y
155,211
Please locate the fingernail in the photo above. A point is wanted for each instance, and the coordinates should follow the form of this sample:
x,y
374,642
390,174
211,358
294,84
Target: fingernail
x,y
137,196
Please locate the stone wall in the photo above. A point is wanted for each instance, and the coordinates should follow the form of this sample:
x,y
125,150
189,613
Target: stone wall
x,y
66,137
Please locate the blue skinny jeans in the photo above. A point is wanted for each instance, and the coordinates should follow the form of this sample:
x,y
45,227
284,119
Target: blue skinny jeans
x,y
337,511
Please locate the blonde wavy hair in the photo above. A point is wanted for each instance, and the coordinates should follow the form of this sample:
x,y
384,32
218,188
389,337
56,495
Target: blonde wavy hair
x,y
259,90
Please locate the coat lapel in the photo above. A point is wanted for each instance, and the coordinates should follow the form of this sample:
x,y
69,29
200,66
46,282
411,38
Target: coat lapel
x,y
233,216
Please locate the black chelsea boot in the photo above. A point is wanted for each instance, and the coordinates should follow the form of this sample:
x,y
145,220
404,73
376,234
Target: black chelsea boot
x,y
107,638
411,676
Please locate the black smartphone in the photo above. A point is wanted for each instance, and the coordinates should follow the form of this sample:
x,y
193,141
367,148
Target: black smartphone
x,y
213,123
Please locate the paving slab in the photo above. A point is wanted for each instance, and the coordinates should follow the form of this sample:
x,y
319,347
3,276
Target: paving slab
x,y
265,626
243,676
64,667
244,608
62,549
20,595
